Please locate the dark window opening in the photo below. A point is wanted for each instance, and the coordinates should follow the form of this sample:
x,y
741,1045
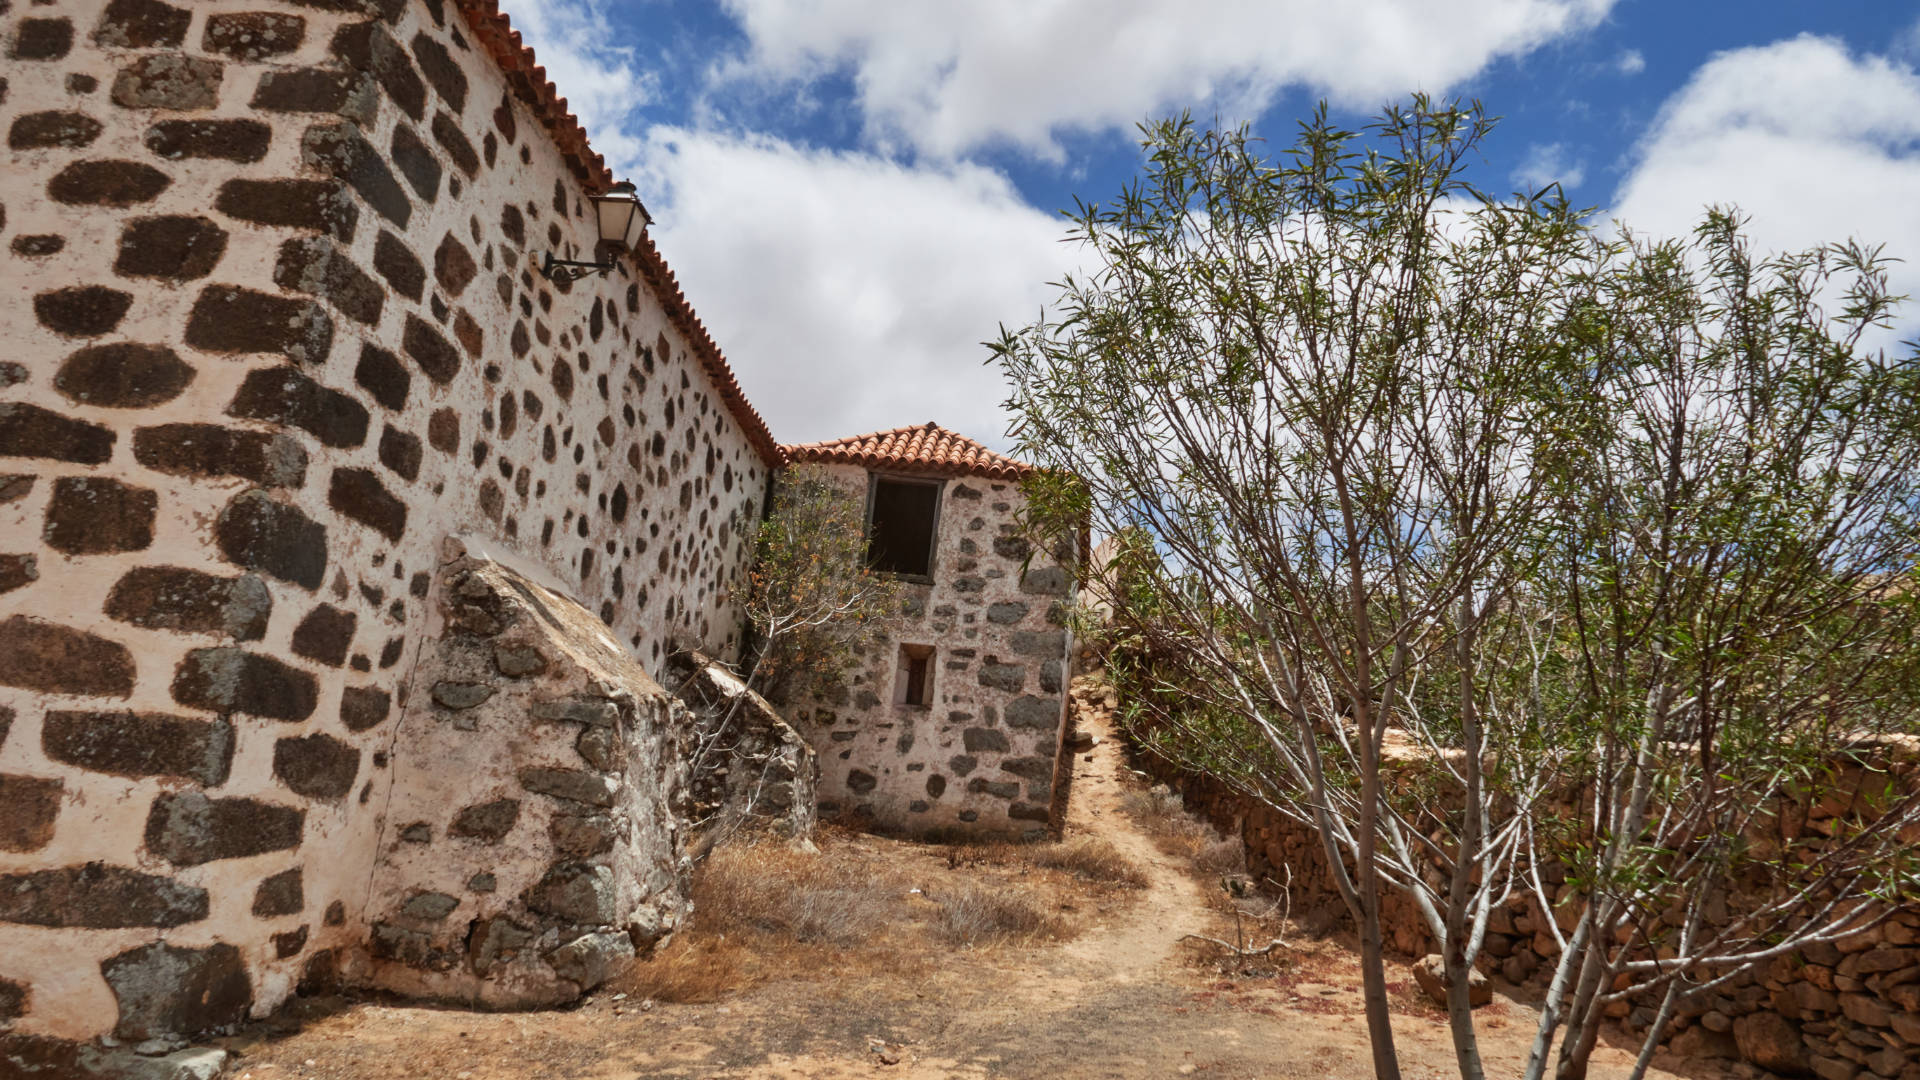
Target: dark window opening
x,y
900,527
915,681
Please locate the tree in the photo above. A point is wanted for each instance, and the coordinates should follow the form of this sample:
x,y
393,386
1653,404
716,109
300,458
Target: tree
x,y
1362,433
813,598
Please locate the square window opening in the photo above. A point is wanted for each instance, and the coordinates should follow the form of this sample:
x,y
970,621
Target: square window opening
x,y
900,526
913,685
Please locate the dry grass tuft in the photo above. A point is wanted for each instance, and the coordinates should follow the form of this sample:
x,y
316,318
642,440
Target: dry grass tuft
x,y
1161,812
973,915
1091,859
689,972
769,888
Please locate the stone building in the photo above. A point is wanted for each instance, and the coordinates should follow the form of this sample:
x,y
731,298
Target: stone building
x,y
314,494
954,723
344,554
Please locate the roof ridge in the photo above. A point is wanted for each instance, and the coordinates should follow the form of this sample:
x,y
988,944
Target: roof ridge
x,y
527,79
925,447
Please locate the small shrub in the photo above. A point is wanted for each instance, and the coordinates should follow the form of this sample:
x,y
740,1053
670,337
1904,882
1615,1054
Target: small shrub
x,y
1221,857
772,889
686,973
972,915
1090,858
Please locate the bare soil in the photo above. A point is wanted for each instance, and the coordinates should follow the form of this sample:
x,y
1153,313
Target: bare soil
x,y
1107,990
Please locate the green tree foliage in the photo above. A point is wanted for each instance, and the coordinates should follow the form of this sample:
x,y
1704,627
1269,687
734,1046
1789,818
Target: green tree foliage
x,y
1483,541
813,599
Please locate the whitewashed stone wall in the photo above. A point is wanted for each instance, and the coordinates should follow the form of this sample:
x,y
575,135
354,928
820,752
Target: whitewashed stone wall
x,y
274,332
983,757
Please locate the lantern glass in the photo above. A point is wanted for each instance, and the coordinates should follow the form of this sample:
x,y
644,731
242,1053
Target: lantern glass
x,y
621,216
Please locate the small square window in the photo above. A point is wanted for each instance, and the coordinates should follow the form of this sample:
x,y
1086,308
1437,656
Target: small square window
x,y
913,684
900,526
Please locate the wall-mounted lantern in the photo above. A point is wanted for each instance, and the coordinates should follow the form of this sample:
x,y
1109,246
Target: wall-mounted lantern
x,y
621,218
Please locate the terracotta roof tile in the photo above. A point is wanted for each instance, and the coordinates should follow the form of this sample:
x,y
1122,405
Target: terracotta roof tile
x,y
496,35
927,448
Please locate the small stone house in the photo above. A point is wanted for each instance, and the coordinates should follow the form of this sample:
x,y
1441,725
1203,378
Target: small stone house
x,y
954,722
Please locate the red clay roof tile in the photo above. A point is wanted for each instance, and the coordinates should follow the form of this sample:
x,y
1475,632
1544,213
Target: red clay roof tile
x,y
926,448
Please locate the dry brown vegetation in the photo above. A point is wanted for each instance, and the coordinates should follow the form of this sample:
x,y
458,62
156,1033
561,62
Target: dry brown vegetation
x,y
1162,815
763,908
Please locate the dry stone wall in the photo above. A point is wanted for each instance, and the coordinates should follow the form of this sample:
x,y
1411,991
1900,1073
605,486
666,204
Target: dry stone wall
x,y
1846,1010
274,333
982,757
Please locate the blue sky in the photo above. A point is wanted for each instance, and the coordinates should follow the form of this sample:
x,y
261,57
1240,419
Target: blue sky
x,y
855,193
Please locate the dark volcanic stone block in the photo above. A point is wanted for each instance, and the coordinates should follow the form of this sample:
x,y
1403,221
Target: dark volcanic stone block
x,y
175,598
393,261
320,205
106,183
187,828
140,744
367,47
382,375
358,494
340,151
123,375
416,162
985,741
434,353
446,132
41,130
281,894
441,70
325,635
229,680
97,515
168,81
166,991
400,452
29,808
98,897
364,707
307,90
453,266
575,892
175,248
266,457
284,395
38,246
226,140
54,659
42,39
31,431
317,766
488,822
142,24
18,570
1040,714
258,533
311,264
228,318
81,310
253,35
573,785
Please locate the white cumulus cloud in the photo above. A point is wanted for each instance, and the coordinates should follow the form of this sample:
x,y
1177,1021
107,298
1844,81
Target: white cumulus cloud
x,y
1815,143
1631,62
947,78
850,292
1547,163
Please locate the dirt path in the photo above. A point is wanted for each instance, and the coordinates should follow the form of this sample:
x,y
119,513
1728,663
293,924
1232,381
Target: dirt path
x,y
1121,1000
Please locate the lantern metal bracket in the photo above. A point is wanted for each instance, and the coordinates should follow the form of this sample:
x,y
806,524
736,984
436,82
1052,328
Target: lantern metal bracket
x,y
568,270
